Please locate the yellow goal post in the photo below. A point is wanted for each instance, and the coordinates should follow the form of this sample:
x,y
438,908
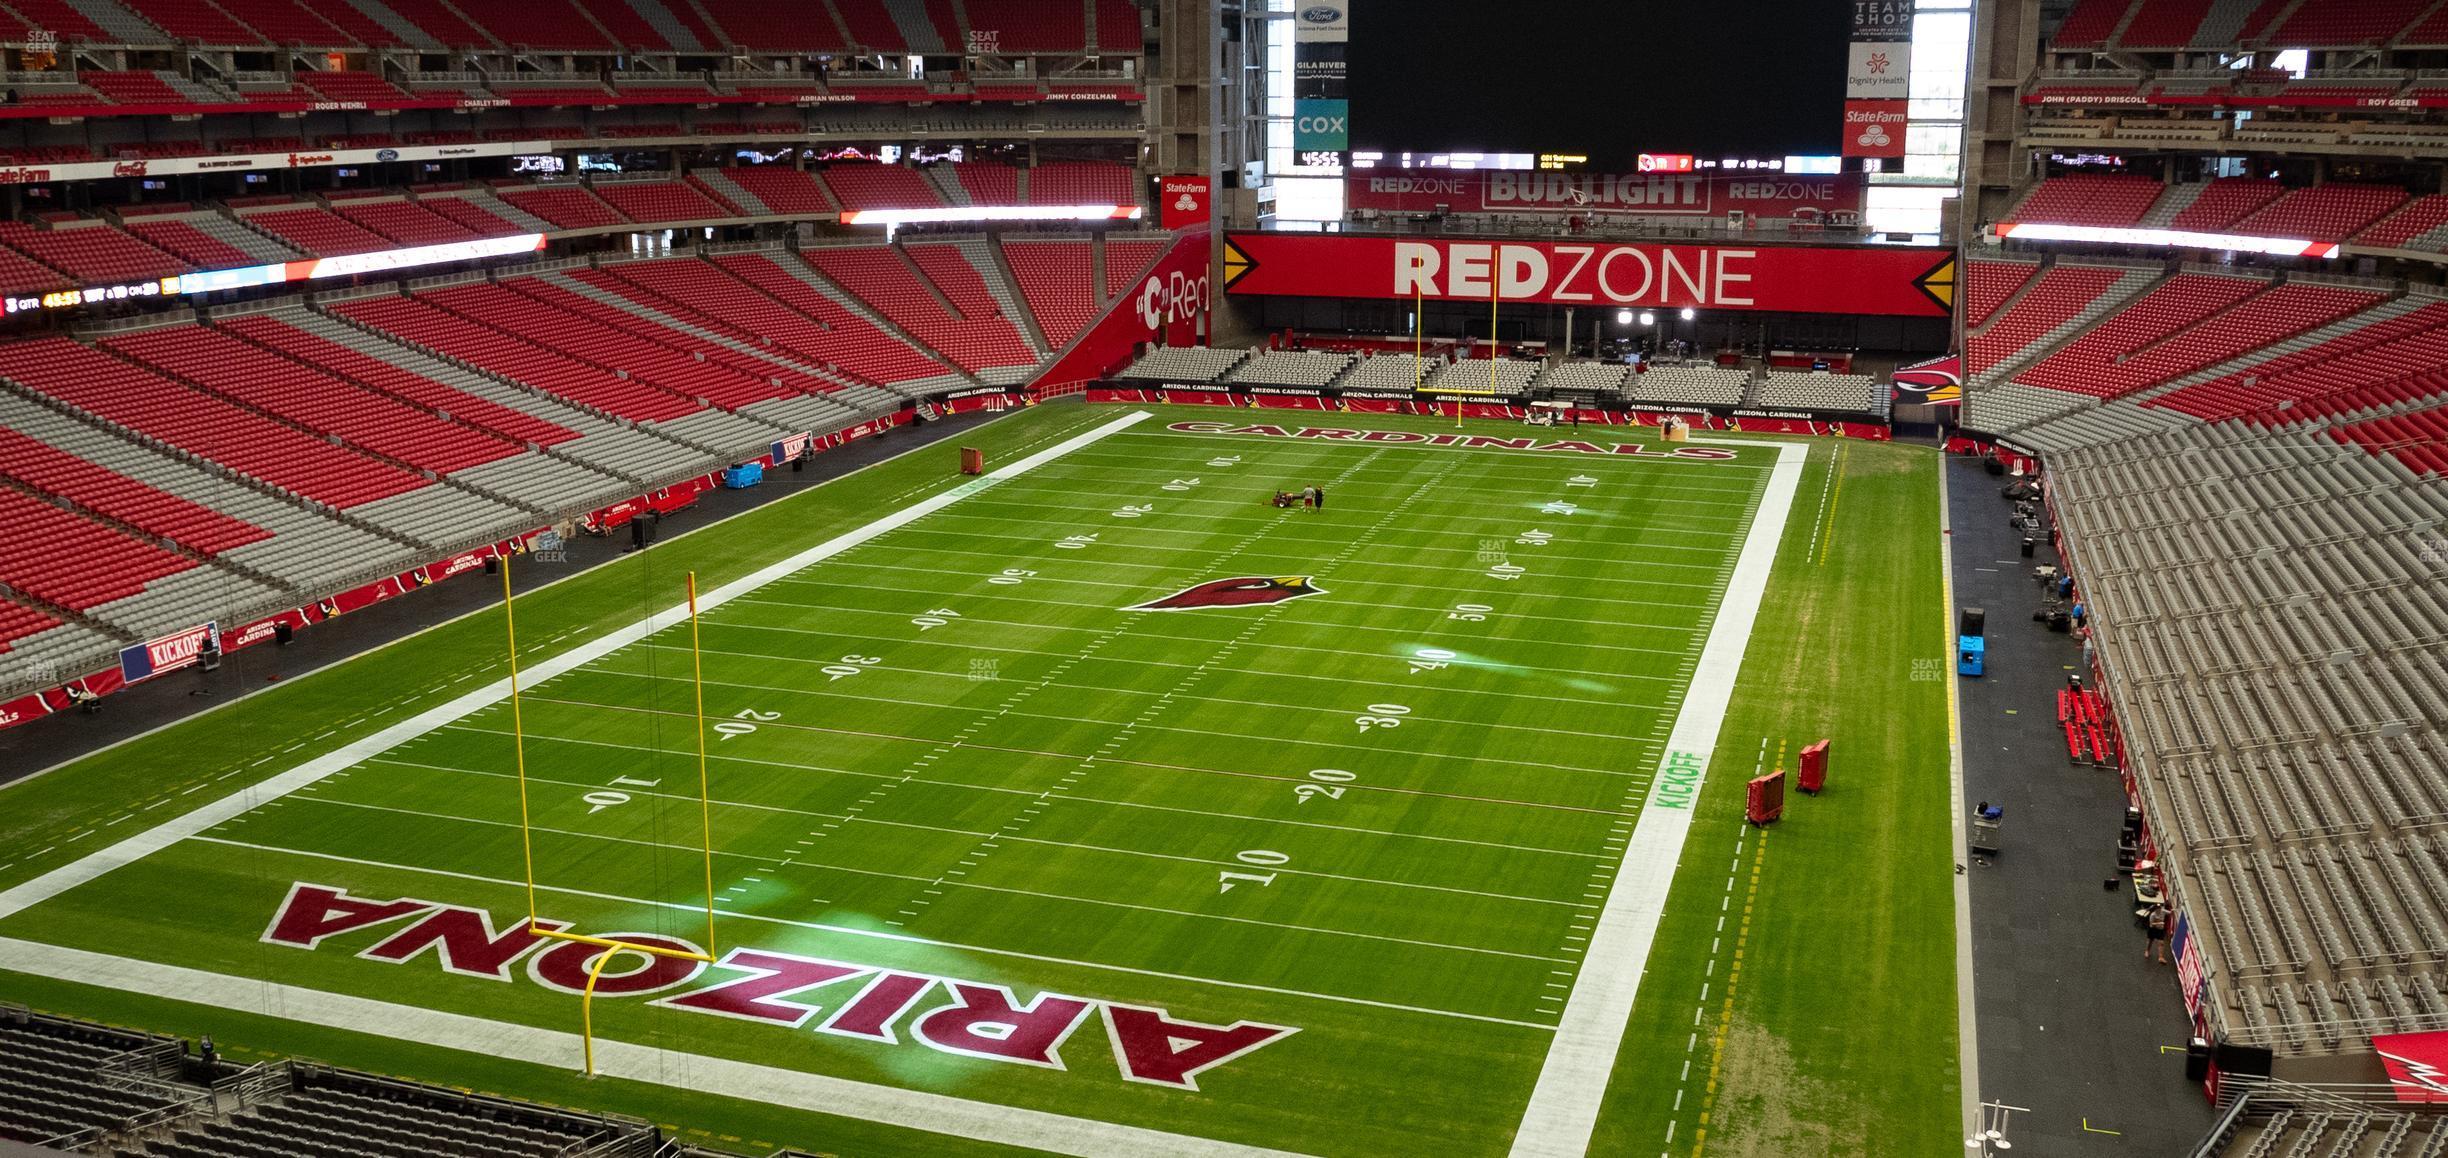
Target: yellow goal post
x,y
610,946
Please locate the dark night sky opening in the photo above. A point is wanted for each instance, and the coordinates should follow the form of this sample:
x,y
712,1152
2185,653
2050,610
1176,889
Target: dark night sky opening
x,y
1610,78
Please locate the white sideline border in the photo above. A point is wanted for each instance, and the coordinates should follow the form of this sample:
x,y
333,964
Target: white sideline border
x,y
893,1105
1563,1112
1967,1026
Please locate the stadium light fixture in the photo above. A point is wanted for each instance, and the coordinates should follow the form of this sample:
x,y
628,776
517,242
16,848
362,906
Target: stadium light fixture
x,y
1648,319
1623,317
1690,313
2177,238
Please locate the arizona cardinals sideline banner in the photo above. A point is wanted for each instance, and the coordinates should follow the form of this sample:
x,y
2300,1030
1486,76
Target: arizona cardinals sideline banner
x,y
1891,280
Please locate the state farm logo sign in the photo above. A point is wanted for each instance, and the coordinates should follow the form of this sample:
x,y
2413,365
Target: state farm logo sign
x,y
1170,298
1874,128
1182,201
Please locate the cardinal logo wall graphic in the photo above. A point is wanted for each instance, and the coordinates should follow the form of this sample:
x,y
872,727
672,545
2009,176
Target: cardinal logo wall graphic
x,y
1249,591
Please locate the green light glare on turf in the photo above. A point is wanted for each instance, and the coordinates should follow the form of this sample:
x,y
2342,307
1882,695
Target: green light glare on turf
x,y
1422,653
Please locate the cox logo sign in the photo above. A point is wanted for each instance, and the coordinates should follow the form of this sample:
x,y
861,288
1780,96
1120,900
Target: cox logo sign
x,y
1169,298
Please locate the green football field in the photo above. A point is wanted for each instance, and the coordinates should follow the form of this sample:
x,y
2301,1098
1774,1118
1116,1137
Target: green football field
x,y
1101,806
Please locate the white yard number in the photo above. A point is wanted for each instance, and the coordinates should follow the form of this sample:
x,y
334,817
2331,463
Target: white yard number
x,y
850,665
1179,484
604,798
1263,858
1559,508
1012,577
1580,480
1470,612
1388,716
744,721
1330,782
1534,538
936,618
1227,461
1430,659
1507,571
1132,512
1076,542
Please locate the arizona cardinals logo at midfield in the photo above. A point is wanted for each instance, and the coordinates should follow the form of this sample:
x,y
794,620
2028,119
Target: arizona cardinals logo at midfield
x,y
1252,591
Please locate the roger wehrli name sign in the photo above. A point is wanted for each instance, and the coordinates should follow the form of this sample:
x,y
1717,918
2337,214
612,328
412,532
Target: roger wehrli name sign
x,y
1894,281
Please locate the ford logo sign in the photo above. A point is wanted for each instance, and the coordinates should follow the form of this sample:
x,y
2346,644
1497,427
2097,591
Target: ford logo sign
x,y
386,154
1321,14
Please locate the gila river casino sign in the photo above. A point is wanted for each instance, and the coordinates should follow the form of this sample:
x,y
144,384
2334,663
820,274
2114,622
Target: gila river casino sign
x,y
1895,281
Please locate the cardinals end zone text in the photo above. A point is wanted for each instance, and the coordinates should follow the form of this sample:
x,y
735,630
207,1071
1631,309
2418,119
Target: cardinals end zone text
x,y
865,1003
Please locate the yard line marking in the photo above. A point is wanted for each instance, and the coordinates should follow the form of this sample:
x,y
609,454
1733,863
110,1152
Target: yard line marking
x,y
1135,763
911,1109
1563,1110
1160,530
854,931
633,709
845,693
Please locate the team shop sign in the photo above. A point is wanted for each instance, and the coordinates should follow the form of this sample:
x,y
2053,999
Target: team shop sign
x,y
873,1004
1898,281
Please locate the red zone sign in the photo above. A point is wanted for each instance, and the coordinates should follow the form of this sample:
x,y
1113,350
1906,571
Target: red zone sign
x,y
868,1003
1894,281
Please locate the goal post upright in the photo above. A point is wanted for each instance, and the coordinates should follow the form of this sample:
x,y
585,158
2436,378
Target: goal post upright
x,y
608,947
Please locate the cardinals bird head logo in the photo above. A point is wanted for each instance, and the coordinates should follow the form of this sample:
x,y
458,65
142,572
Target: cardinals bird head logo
x,y
1250,591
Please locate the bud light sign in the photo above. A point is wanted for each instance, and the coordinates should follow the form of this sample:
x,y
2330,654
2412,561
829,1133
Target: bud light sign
x,y
169,653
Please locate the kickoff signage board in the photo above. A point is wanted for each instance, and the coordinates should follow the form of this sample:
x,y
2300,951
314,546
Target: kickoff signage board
x,y
1896,281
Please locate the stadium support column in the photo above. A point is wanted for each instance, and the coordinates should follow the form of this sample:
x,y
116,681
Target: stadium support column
x,y
2005,53
1200,98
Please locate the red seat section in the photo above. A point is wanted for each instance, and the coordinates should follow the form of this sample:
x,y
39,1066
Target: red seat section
x,y
783,189
1059,280
471,216
2226,201
308,23
2346,23
277,335
198,248
2411,220
2418,439
2116,200
440,21
786,28
585,330
631,28
425,323
404,222
877,276
2051,302
545,24
1083,183
351,86
94,254
2401,348
2329,212
1125,261
18,622
142,400
1029,25
197,20
1987,285
989,184
880,187
2089,24
320,232
2094,363
566,206
662,201
854,342
731,377
259,378
74,562
113,495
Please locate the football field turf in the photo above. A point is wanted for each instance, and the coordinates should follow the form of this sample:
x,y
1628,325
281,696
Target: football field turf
x,y
1102,806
